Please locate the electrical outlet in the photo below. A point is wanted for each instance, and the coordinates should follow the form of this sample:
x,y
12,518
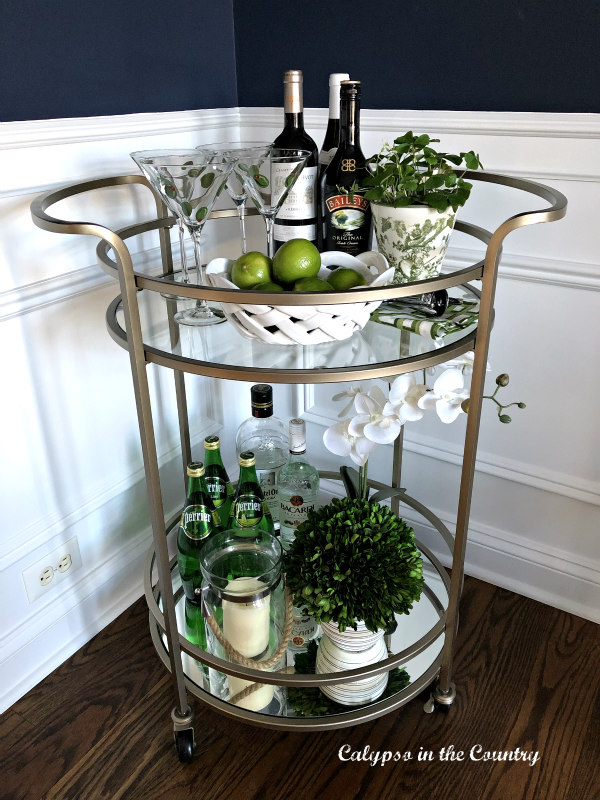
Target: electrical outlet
x,y
53,569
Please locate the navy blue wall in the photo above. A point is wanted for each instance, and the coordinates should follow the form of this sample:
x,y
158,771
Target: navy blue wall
x,y
71,58
76,58
475,55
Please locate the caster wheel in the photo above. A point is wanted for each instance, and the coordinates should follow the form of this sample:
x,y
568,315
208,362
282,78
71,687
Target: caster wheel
x,y
184,743
442,708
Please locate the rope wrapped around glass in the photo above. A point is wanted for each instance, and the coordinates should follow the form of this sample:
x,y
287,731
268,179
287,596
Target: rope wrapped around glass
x,y
248,613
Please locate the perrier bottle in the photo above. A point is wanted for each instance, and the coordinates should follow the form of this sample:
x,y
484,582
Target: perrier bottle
x,y
249,511
217,480
198,521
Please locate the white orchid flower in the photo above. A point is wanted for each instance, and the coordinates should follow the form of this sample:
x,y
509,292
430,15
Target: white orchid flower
x,y
465,363
403,402
447,395
350,392
339,441
371,420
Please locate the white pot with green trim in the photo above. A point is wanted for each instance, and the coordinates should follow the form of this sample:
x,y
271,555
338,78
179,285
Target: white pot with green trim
x,y
413,239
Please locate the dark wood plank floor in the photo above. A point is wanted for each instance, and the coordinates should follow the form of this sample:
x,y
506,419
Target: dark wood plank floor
x,y
527,676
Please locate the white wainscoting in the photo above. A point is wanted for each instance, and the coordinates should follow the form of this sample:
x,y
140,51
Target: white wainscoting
x,y
71,456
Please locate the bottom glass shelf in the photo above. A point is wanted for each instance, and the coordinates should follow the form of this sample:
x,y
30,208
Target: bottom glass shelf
x,y
293,706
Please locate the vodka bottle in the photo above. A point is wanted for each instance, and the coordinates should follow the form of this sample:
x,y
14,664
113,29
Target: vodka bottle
x,y
297,217
266,436
297,491
198,521
346,214
249,510
297,485
217,480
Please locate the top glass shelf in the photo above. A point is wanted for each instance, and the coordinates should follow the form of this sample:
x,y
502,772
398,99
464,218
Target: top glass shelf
x,y
378,350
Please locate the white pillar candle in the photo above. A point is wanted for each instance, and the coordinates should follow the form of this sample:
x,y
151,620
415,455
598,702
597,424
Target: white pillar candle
x,y
246,627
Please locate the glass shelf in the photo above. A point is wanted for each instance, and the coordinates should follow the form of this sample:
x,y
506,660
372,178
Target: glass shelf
x,y
422,667
220,351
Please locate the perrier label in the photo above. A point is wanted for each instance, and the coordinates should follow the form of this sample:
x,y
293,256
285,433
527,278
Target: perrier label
x,y
249,511
199,520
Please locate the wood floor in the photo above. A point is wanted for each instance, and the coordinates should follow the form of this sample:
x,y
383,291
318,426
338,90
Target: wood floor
x,y
527,676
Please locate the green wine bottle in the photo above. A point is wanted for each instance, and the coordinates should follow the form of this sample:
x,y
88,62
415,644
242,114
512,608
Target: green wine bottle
x,y
249,510
198,521
217,480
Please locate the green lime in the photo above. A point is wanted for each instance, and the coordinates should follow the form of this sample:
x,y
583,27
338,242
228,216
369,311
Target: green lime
x,y
250,269
296,259
268,286
312,285
346,278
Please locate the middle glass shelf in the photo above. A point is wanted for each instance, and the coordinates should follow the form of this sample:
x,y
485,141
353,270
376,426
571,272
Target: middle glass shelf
x,y
379,350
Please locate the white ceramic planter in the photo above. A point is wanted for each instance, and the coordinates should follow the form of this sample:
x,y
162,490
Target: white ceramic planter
x,y
350,650
413,239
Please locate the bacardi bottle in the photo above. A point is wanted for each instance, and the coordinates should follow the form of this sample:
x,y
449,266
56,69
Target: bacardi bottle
x,y
298,494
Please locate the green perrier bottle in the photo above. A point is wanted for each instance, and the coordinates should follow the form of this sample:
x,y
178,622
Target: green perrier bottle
x,y
249,511
217,480
198,521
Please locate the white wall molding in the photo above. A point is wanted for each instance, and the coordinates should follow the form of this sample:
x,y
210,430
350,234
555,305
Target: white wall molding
x,y
533,269
34,296
47,132
508,469
487,123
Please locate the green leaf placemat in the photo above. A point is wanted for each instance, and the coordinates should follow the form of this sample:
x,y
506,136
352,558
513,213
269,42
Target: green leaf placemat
x,y
459,315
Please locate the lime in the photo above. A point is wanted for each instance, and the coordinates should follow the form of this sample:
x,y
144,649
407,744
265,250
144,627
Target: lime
x,y
268,286
312,285
251,268
296,259
346,278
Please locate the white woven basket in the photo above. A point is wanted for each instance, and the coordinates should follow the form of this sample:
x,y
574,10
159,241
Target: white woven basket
x,y
283,324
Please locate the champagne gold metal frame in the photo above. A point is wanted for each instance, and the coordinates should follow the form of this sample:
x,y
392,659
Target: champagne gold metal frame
x,y
163,619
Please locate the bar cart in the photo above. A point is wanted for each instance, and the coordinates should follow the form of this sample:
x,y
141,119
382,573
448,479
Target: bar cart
x,y
141,321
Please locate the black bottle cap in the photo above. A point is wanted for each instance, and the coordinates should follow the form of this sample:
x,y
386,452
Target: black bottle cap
x,y
261,399
350,89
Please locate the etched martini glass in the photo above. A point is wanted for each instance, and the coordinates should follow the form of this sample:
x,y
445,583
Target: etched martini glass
x,y
189,182
247,153
269,180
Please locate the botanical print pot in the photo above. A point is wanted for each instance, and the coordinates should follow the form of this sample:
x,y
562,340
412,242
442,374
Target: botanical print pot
x,y
351,650
413,239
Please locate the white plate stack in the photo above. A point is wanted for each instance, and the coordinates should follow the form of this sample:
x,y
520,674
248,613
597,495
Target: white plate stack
x,y
351,650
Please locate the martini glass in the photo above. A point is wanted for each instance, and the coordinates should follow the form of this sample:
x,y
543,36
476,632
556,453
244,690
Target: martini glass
x,y
268,181
247,153
189,182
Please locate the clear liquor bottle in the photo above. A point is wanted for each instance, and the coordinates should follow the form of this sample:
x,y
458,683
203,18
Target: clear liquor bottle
x,y
297,217
199,520
266,436
249,510
217,480
298,494
297,485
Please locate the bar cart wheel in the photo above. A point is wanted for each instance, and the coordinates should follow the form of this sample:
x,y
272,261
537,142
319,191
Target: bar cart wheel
x,y
440,701
183,734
